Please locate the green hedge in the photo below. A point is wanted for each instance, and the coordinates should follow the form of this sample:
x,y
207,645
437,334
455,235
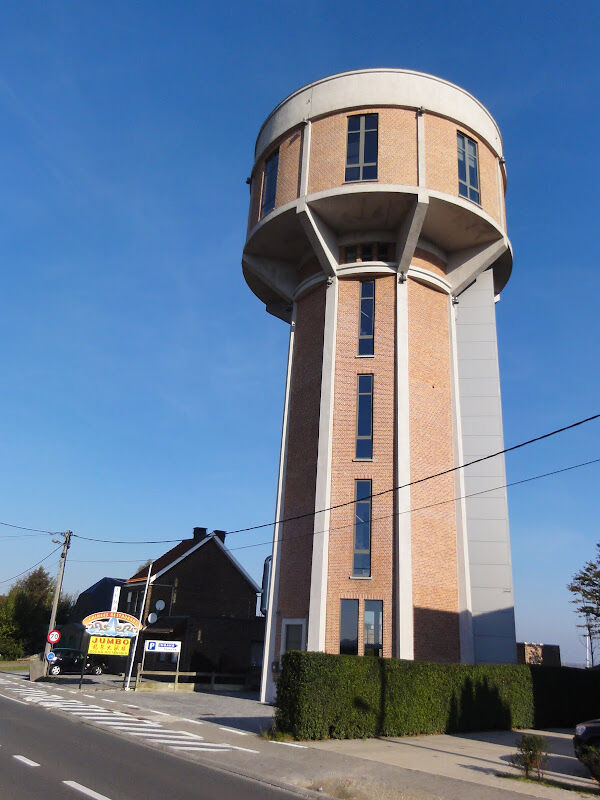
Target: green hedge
x,y
323,696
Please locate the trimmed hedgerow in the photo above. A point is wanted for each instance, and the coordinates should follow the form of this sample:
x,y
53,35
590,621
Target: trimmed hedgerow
x,y
321,696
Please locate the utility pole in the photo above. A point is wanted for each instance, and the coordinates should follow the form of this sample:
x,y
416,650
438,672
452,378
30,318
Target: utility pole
x,y
57,589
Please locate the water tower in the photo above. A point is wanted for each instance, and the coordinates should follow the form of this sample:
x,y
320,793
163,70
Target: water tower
x,y
377,233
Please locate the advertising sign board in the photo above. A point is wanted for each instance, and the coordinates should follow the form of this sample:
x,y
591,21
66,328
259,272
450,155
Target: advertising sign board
x,y
109,645
161,646
111,623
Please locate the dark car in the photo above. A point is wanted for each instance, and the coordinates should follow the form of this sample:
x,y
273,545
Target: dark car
x,y
69,662
587,734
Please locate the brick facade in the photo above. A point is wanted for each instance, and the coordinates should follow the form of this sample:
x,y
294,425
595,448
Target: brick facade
x,y
300,477
434,563
345,469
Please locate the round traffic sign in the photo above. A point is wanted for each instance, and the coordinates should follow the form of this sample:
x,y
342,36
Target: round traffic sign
x,y
51,656
53,636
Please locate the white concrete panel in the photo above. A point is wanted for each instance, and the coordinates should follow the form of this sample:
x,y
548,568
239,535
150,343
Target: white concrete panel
x,y
484,508
504,624
478,368
482,426
470,350
478,315
491,467
487,514
494,530
479,387
480,406
491,575
475,333
495,649
484,483
489,553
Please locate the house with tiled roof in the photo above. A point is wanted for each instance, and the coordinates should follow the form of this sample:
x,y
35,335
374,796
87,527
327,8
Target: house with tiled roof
x,y
199,594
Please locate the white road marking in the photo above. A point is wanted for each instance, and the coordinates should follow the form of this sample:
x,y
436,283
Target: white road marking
x,y
195,721
71,691
104,700
27,761
14,699
289,744
130,705
84,790
203,748
245,749
89,695
233,730
162,713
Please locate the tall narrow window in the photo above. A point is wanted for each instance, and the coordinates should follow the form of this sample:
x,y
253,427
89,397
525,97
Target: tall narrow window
x,y
366,339
269,183
364,417
373,628
361,153
468,168
362,529
293,636
349,627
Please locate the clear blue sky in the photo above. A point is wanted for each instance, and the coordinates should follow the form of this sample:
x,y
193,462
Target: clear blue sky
x,y
142,382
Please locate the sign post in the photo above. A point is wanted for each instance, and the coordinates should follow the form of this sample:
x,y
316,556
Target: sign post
x,y
84,659
162,646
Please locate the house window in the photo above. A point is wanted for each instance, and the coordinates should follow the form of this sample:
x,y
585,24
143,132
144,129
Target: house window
x,y
364,417
349,627
361,566
366,330
292,635
373,628
269,183
468,168
361,153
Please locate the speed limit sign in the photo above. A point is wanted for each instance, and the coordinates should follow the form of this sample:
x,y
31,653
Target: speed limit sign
x,y
53,637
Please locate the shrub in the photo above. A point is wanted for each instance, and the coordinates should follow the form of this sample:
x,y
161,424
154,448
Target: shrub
x,y
590,756
321,695
532,754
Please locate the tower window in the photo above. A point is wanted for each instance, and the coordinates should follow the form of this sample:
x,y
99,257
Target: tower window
x,y
468,168
269,183
373,628
361,153
362,529
349,627
366,329
364,417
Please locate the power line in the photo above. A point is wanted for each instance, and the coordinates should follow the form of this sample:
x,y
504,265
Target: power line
x,y
36,530
366,497
429,505
6,580
375,519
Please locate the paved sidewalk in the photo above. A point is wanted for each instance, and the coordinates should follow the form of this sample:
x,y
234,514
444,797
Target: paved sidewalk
x,y
458,767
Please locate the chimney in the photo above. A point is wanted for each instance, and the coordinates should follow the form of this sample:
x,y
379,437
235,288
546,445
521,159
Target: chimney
x,y
199,534
221,535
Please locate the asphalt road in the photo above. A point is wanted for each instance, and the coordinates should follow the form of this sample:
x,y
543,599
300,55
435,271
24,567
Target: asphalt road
x,y
46,756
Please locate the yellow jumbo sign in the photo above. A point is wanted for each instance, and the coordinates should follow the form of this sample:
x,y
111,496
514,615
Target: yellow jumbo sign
x,y
109,646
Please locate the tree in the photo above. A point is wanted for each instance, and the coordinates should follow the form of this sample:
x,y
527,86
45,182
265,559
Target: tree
x,y
585,588
25,614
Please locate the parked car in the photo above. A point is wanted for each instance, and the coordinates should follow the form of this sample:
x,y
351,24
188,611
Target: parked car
x,y
587,734
69,662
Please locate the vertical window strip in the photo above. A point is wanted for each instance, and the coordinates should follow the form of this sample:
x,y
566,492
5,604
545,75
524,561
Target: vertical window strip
x,y
366,328
349,627
468,168
373,628
270,183
364,416
361,566
362,147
